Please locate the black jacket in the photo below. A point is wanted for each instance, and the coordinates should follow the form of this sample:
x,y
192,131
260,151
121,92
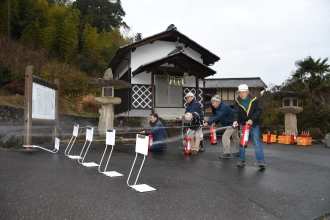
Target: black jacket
x,y
196,123
254,111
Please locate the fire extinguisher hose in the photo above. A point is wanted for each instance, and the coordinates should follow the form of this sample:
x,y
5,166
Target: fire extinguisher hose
x,y
225,127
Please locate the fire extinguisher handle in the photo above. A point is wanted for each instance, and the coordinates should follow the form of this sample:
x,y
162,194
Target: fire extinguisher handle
x,y
247,123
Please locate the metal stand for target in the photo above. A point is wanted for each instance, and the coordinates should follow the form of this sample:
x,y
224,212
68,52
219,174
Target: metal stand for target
x,y
56,149
110,140
71,143
89,138
141,147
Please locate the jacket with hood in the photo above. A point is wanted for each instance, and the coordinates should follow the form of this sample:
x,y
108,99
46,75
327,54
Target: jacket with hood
x,y
253,111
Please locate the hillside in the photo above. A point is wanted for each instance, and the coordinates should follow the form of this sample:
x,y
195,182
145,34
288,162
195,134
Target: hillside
x,y
76,97
17,101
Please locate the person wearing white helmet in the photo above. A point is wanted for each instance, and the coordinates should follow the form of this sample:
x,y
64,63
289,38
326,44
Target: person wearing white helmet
x,y
193,106
224,115
247,109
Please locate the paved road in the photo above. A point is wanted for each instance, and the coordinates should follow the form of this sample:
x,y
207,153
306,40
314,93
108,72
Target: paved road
x,y
41,185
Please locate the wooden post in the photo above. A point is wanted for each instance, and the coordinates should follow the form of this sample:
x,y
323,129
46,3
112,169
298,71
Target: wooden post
x,y
153,91
197,89
57,104
28,105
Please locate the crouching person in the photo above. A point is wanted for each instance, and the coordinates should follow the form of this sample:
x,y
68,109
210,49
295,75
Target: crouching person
x,y
158,132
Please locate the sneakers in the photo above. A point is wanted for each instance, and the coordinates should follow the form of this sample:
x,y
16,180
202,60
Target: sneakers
x,y
201,149
236,154
262,165
225,156
240,163
201,146
194,152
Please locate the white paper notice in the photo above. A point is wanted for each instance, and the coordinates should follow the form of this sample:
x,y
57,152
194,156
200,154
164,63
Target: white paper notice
x,y
141,144
110,137
89,133
43,102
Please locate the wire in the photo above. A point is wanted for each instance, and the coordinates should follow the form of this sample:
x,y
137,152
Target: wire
x,y
185,12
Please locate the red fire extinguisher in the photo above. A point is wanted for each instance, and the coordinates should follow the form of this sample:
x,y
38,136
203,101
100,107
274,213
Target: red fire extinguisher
x,y
245,136
292,138
268,138
150,141
213,135
187,149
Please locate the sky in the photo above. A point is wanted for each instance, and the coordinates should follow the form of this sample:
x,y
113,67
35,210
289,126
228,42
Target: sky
x,y
253,38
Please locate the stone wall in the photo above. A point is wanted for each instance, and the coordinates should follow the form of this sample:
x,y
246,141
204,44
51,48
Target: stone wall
x,y
10,116
12,127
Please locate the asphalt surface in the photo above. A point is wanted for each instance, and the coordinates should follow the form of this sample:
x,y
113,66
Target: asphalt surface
x,y
42,185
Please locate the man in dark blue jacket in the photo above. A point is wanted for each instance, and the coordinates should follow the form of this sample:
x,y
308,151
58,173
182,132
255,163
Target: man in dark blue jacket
x,y
158,132
194,106
224,115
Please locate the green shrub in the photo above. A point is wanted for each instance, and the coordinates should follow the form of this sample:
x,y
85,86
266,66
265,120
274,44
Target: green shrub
x,y
14,88
5,72
115,122
316,133
133,122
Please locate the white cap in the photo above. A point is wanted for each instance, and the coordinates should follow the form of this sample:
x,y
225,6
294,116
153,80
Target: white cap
x,y
242,88
216,98
189,94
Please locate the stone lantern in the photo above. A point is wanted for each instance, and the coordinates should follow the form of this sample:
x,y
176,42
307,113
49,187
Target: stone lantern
x,y
290,109
108,99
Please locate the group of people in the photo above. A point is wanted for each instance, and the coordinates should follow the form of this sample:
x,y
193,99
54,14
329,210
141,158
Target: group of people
x,y
247,110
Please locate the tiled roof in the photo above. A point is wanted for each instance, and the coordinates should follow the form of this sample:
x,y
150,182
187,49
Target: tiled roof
x,y
171,35
252,82
180,59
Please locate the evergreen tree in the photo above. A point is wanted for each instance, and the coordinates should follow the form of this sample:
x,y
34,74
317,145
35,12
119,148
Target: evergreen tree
x,y
8,15
68,35
313,77
50,34
32,33
103,14
90,39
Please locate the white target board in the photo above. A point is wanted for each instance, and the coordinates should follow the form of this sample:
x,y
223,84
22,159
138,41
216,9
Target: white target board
x,y
43,102
141,145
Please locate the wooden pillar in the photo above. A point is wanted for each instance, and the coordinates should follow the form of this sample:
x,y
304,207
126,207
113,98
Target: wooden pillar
x,y
28,105
153,91
197,89
57,104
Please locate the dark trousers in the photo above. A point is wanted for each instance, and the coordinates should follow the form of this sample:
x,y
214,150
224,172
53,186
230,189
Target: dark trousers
x,y
157,146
